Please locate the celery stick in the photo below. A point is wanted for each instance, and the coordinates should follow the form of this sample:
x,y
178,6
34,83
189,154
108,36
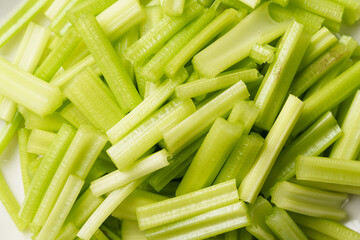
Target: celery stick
x,y
154,14
245,112
273,143
8,131
93,7
73,115
236,44
332,25
312,142
329,186
309,201
99,235
25,157
55,8
351,11
52,122
130,231
315,235
67,232
261,54
284,226
40,141
324,8
150,87
211,156
173,8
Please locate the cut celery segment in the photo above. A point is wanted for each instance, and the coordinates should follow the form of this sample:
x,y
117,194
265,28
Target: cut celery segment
x,y
67,232
39,141
325,8
154,14
8,131
173,8
261,54
52,122
25,157
73,115
130,230
245,112
55,8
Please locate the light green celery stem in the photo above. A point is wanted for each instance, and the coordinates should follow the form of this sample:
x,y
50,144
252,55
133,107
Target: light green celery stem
x,y
150,87
273,143
140,80
250,3
149,132
348,147
78,159
186,206
153,40
45,172
111,202
245,112
315,234
324,8
278,78
258,212
234,4
196,124
329,186
109,232
284,226
211,156
25,157
173,8
328,97
236,44
52,122
145,108
332,25
154,15
91,96
61,208
161,178
73,115
351,11
93,7
312,142
130,230
319,43
137,170
204,225
40,141
241,159
19,19
67,232
309,201
110,63
99,235
154,69
127,209
261,54
8,130
329,228
207,85
55,8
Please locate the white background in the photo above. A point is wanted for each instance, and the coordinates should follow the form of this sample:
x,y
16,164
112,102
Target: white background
x,y
10,164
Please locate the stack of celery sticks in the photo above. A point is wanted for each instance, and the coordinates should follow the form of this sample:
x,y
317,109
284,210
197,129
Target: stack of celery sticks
x,y
182,119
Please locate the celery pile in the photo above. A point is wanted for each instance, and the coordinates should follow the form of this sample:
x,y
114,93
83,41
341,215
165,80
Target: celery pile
x,y
182,119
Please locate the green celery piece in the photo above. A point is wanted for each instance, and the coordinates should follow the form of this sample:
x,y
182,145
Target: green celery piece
x,y
329,186
207,85
140,80
245,112
99,235
173,8
150,87
258,212
236,5
25,157
40,141
154,14
211,156
251,3
204,225
312,142
52,122
130,230
308,200
331,229
73,115
343,109
149,132
93,7
145,108
106,208
55,8
324,8
196,124
348,147
273,143
186,206
34,166
153,40
92,98
20,18
274,88
238,41
261,54
8,130
67,232
241,159
127,209
109,232
109,63
351,11
61,208
332,25
283,225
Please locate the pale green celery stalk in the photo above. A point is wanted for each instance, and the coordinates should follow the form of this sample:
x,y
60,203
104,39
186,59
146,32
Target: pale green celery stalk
x,y
205,225
20,18
110,232
261,54
34,166
332,25
309,201
140,80
186,206
348,147
25,157
211,156
61,208
324,8
150,87
111,202
250,3
10,203
236,4
130,231
55,8
312,142
161,178
319,43
138,169
207,85
145,108
274,88
197,124
283,225
245,112
273,143
78,160
99,235
241,159
127,209
45,172
153,40
67,232
154,14
92,97
39,141
258,212
329,186
329,228
236,44
8,130
351,12
149,132
315,234
330,95
73,115
110,63
173,8
52,122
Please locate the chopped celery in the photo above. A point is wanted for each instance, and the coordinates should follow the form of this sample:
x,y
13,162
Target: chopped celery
x,y
173,8
73,115
25,157
130,231
261,54
351,11
52,122
329,186
8,130
245,112
40,141
55,8
67,232
250,3
154,15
